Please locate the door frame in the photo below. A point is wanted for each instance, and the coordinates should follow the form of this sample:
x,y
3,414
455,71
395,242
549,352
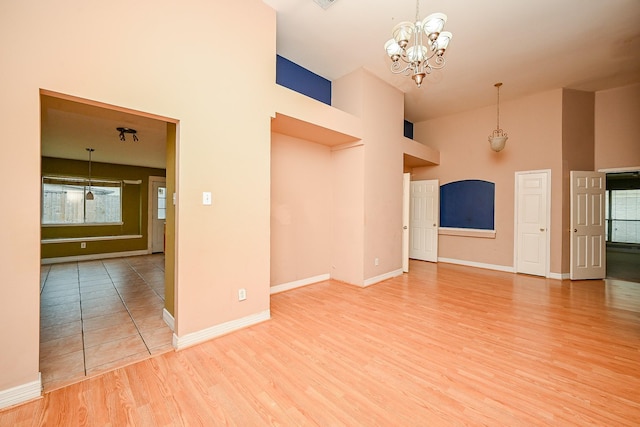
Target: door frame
x,y
516,201
152,180
406,194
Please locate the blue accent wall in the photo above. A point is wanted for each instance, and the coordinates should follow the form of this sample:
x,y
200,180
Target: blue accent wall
x,y
408,129
468,204
295,77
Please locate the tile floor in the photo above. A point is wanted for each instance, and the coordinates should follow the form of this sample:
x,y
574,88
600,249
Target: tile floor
x,y
96,316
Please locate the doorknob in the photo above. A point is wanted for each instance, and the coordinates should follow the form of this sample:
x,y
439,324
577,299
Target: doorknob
x,y
575,230
542,229
405,227
434,225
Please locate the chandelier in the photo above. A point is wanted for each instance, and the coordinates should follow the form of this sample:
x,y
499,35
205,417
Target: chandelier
x,y
498,137
418,49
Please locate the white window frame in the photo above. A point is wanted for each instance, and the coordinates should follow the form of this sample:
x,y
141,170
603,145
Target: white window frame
x,y
84,182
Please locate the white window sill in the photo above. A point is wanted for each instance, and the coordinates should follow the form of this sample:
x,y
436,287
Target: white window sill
x,y
467,232
91,239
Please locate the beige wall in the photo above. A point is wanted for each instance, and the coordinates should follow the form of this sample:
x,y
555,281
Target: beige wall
x,y
559,130
300,209
347,215
167,61
577,154
617,127
534,126
381,109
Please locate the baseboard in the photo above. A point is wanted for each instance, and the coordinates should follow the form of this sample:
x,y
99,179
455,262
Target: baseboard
x,y
168,319
559,276
193,338
505,268
299,283
380,278
91,257
21,393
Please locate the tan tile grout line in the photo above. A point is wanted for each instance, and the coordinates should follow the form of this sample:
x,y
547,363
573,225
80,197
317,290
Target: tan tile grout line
x,y
84,353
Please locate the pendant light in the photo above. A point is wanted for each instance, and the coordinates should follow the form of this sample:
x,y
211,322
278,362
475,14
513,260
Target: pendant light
x,y
498,137
89,195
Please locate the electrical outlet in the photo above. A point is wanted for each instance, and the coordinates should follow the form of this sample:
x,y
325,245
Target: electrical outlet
x,y
242,294
83,245
376,261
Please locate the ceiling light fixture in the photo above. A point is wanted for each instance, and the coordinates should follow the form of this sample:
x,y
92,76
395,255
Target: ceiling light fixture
x,y
127,130
408,52
324,3
89,195
498,137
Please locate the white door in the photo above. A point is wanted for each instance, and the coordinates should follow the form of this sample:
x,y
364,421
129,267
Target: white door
x,y
532,223
588,259
158,215
406,195
424,220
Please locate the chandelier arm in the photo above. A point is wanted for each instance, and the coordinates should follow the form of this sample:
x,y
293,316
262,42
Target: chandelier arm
x,y
397,68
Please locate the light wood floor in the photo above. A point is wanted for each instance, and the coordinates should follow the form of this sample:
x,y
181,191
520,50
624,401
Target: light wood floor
x,y
442,345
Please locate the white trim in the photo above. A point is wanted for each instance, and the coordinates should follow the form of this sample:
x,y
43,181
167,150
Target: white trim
x,y
467,232
91,239
299,283
168,319
193,338
615,170
22,393
380,278
547,270
92,257
559,276
505,268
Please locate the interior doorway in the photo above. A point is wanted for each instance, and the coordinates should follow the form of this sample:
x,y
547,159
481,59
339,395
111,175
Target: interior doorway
x,y
102,310
622,216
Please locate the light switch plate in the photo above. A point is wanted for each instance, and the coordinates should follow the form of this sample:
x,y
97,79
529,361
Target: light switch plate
x,y
206,198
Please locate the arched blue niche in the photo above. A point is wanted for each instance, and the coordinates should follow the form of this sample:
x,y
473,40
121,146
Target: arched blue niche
x,y
468,204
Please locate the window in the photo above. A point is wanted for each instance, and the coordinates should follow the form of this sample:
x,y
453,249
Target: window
x,y
64,201
468,204
162,203
623,216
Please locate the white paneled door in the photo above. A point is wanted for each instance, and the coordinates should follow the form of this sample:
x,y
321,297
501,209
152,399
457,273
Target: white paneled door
x,y
424,219
532,223
406,196
588,250
158,215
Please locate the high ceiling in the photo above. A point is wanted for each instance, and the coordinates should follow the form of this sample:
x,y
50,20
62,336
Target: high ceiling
x,y
530,46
